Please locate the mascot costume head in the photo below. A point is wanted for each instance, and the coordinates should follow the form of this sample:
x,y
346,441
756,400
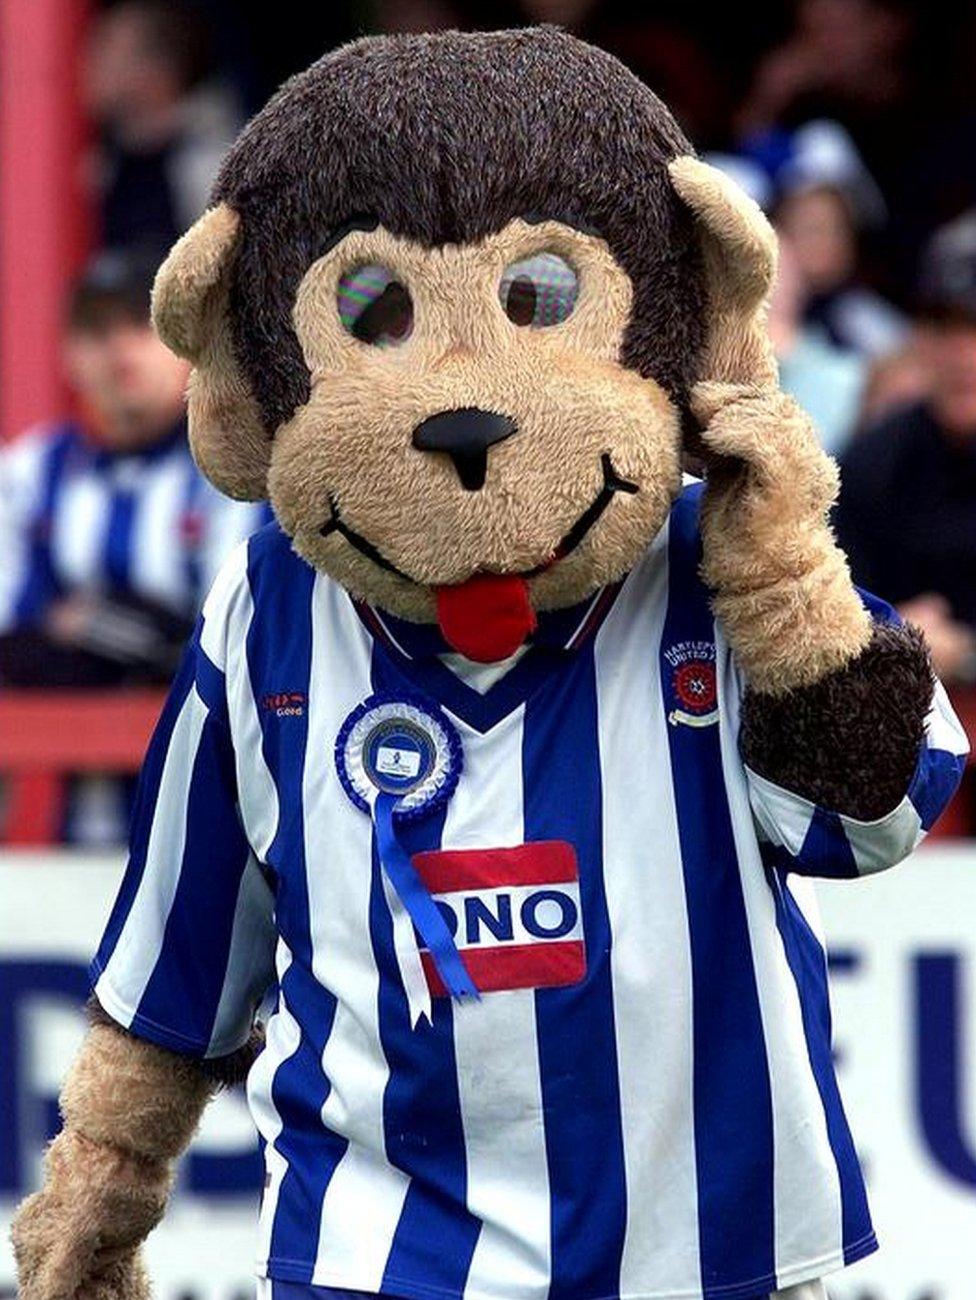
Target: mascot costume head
x,y
459,308
446,314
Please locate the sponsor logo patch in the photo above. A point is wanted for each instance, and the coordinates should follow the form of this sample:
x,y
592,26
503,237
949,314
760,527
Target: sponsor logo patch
x,y
514,914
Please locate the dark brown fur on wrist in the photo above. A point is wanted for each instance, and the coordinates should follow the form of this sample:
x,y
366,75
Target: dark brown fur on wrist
x,y
850,742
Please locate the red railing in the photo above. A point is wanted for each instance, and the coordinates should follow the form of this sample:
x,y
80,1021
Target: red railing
x,y
46,736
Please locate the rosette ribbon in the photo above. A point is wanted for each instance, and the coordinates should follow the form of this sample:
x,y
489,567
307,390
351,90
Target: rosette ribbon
x,y
418,912
423,759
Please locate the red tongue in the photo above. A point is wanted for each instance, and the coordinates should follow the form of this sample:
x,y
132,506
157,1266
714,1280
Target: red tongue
x,y
486,618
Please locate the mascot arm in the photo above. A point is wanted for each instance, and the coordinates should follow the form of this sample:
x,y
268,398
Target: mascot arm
x,y
185,962
850,754
851,750
130,1109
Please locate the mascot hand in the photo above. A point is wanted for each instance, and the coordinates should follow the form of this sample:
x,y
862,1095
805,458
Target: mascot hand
x,y
79,1237
129,1109
835,711
782,588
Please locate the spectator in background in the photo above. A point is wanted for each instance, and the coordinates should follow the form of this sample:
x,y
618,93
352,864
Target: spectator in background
x,y
823,200
850,54
819,223
895,73
164,126
109,536
907,511
901,378
826,380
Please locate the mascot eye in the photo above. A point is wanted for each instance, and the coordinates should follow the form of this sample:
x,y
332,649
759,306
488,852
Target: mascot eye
x,y
374,306
539,290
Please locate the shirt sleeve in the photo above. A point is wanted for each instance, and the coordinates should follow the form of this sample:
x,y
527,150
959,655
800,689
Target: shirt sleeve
x,y
813,841
188,953
26,584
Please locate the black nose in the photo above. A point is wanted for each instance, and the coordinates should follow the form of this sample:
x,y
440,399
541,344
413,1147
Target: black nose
x,y
465,436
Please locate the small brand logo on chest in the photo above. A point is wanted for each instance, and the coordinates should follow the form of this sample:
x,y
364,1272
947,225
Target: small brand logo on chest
x,y
285,704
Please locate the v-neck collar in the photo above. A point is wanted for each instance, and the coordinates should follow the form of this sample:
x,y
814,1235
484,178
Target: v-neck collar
x,y
415,650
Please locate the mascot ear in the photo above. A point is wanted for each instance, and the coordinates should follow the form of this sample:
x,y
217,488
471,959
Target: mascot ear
x,y
191,315
739,248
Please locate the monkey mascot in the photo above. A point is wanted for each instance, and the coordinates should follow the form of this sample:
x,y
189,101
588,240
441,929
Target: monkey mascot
x,y
496,764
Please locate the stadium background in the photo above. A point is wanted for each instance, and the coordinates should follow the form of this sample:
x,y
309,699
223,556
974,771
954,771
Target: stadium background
x,y
854,123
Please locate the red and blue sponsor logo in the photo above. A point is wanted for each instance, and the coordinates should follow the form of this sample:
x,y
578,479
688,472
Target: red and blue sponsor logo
x,y
514,914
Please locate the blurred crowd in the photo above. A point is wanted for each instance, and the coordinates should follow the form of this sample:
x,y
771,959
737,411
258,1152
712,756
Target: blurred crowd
x,y
851,122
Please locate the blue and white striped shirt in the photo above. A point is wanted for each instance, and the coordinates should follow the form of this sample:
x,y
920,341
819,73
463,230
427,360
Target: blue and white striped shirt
x,y
667,1124
75,517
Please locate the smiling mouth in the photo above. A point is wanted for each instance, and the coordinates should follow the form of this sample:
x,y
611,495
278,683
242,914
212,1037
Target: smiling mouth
x,y
612,484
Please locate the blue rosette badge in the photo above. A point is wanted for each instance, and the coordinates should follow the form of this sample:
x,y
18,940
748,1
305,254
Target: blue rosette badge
x,y
400,760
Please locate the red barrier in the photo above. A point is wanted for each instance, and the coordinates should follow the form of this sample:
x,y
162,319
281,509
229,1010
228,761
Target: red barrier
x,y
48,735
45,219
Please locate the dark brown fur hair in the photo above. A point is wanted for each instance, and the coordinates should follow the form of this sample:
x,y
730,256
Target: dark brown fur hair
x,y
444,139
850,742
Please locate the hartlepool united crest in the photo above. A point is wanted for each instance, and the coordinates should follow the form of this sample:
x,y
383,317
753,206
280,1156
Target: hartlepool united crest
x,y
693,685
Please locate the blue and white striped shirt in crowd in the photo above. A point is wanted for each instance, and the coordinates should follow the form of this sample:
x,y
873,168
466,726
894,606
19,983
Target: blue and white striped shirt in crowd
x,y
666,1123
75,517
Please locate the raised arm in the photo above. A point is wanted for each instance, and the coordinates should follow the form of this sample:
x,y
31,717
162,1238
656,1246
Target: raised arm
x,y
836,695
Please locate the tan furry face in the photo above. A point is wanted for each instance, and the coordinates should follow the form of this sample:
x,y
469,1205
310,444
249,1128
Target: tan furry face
x,y
582,419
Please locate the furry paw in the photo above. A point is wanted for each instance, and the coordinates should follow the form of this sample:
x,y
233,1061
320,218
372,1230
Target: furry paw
x,y
77,1239
781,585
56,1263
769,487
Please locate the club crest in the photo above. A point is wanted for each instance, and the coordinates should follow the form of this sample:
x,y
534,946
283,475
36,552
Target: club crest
x,y
693,685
